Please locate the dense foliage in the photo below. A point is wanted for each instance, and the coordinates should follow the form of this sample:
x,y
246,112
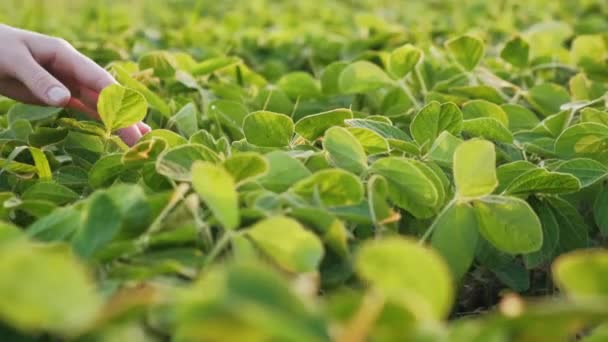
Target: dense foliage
x,y
346,171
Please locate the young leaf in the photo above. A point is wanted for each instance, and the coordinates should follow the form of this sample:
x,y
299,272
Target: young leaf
x,y
475,109
217,189
288,243
176,163
246,166
314,126
284,171
466,50
409,187
487,128
433,119
361,77
408,273
509,224
268,129
299,85
516,52
475,168
121,107
334,187
344,150
403,60
442,150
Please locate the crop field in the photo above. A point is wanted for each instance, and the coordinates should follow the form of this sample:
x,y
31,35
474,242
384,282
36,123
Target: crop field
x,y
343,171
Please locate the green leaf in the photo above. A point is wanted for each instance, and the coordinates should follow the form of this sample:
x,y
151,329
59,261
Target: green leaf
x,y
434,119
314,126
173,139
542,181
344,150
176,163
403,60
407,273
516,52
330,78
284,171
106,170
509,224
217,189
45,290
455,237
102,222
475,168
333,187
466,50
506,173
585,140
361,77
590,115
43,169
287,243
230,114
520,118
59,225
185,120
547,98
487,128
573,232
268,129
475,109
372,142
154,100
121,107
586,48
442,150
550,237
588,171
387,131
582,274
299,85
600,212
409,187
246,166
31,113
50,191
162,62
382,214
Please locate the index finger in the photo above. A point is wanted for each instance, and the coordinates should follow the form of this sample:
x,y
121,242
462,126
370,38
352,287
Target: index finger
x,y
65,62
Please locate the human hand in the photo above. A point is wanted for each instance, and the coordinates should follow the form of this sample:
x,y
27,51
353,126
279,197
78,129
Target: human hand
x,y
43,70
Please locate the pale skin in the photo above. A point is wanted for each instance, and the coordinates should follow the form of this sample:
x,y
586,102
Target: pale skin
x,y
43,70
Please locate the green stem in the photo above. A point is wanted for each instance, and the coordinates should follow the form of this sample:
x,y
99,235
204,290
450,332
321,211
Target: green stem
x,y
420,79
219,247
429,231
408,92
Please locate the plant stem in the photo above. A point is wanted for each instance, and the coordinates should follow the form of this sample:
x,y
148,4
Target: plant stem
x,y
408,92
429,231
219,246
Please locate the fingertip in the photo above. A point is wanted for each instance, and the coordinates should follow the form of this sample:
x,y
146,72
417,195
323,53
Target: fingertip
x,y
58,96
143,128
130,135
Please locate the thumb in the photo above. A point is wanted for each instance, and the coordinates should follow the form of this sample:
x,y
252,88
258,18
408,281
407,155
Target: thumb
x,y
41,83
